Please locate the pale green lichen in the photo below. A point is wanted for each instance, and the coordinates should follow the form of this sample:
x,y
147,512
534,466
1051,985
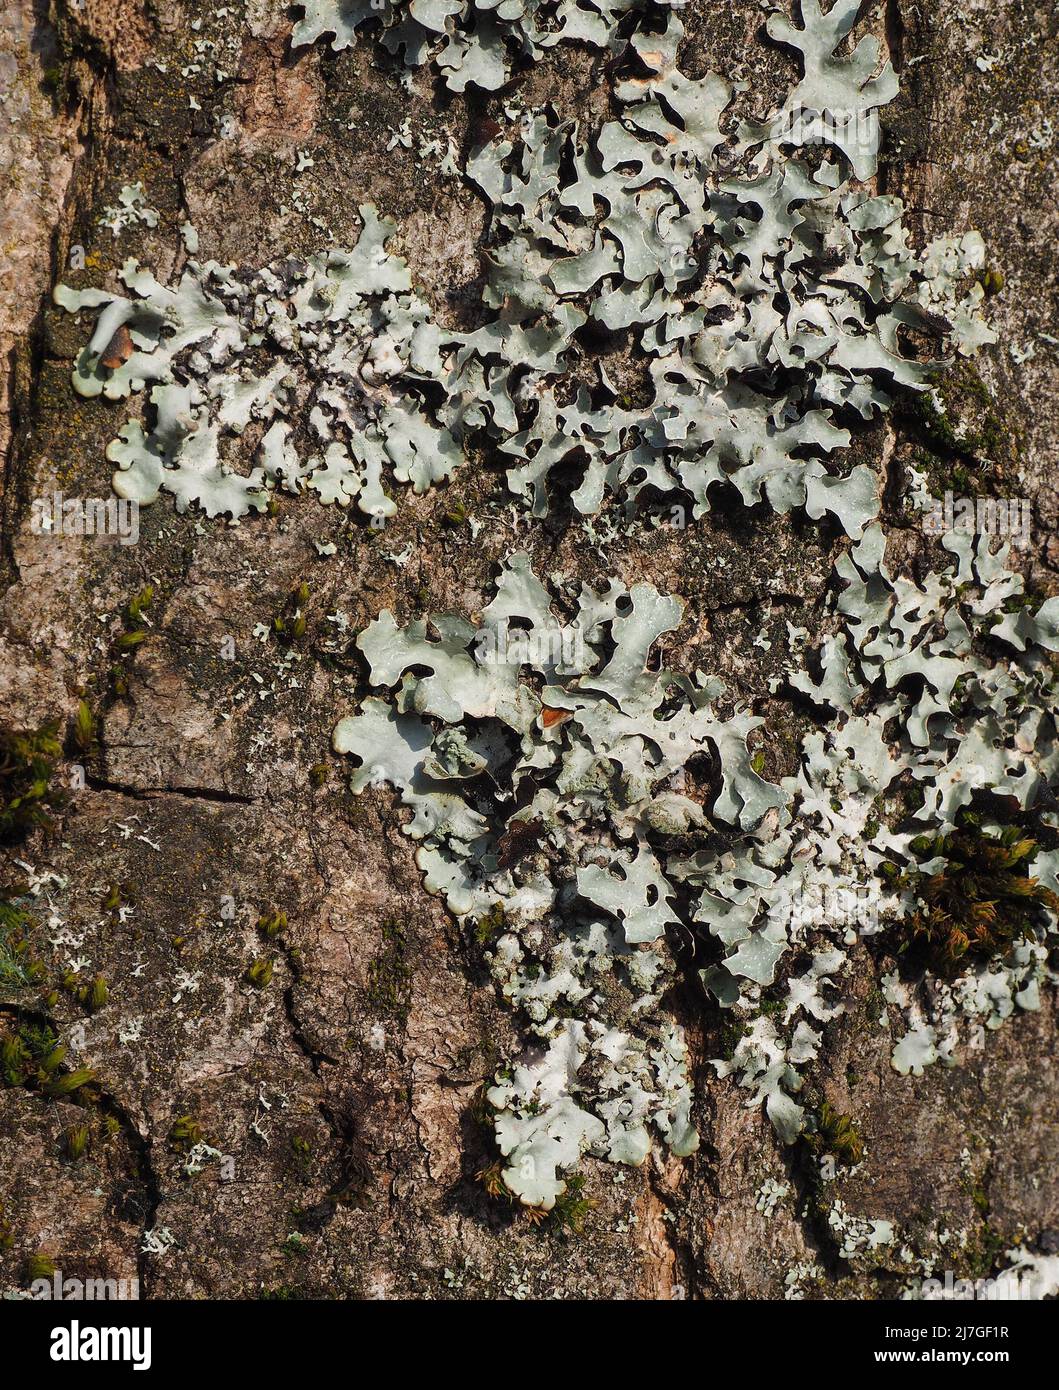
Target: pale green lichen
x,y
975,724
769,296
543,761
472,42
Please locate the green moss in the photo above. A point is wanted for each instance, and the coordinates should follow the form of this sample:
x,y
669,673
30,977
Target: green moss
x,y
991,280
31,1055
572,1207
63,1087
874,1004
979,901
39,1267
389,986
19,967
568,1213
75,1142
271,924
290,624
91,994
53,80
259,972
490,924
83,731
27,767
984,1251
954,453
732,1032
13,1060
185,1133
134,612
836,1134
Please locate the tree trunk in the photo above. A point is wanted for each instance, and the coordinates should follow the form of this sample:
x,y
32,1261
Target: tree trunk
x,y
343,1091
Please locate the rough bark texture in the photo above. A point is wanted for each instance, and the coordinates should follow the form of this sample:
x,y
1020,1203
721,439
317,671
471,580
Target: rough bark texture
x,y
344,1092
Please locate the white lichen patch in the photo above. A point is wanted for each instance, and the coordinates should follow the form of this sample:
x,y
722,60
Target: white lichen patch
x,y
769,298
546,762
131,208
339,339
543,761
946,688
471,42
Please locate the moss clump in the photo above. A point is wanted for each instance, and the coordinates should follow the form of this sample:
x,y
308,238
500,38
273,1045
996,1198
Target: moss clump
x,y
83,734
29,1052
572,1207
979,901
490,924
90,994
32,1056
75,1142
134,619
970,439
136,632
492,1179
185,1133
63,1087
135,622
731,1034
567,1214
271,924
19,968
290,624
259,973
27,766
389,984
984,1251
836,1134
991,280
39,1267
